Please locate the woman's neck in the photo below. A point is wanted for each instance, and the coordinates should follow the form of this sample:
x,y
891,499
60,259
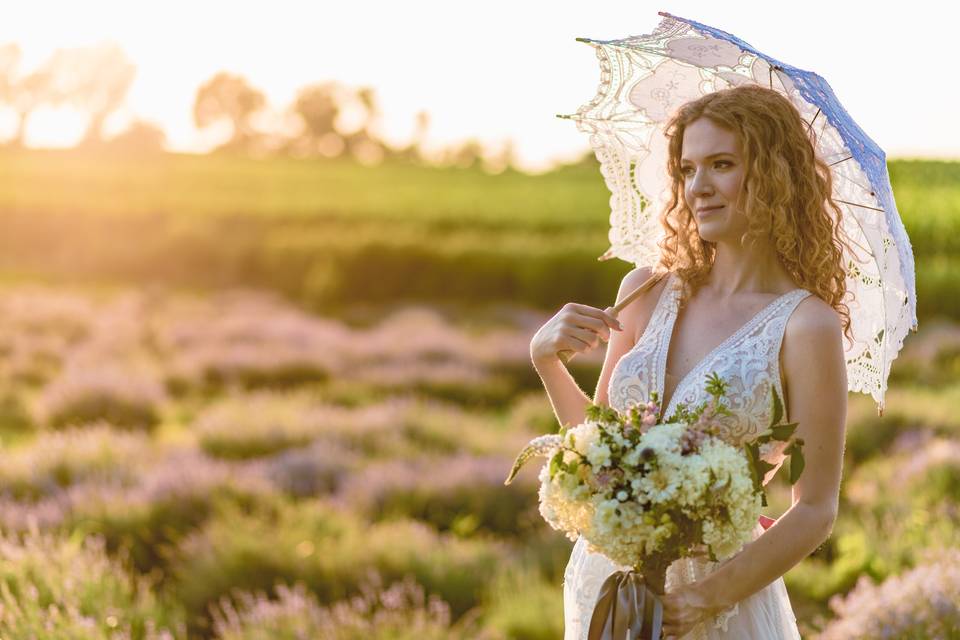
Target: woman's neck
x,y
739,270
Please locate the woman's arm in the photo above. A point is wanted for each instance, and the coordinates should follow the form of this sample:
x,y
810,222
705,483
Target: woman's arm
x,y
816,378
568,400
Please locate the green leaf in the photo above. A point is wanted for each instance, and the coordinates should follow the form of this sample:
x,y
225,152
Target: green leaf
x,y
796,463
783,432
753,457
555,463
777,413
763,466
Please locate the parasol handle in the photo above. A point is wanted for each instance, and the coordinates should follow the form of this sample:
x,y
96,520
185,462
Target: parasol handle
x,y
567,354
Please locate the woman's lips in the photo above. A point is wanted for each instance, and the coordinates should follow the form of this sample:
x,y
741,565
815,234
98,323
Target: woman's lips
x,y
706,212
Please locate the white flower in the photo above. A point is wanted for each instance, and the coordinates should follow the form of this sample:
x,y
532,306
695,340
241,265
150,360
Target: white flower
x,y
606,517
624,529
598,454
659,485
584,436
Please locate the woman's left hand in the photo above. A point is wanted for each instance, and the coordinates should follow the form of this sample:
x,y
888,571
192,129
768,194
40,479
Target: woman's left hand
x,y
682,610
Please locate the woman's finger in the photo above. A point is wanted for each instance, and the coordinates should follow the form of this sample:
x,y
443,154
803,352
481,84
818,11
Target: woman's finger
x,y
593,312
587,336
574,343
588,322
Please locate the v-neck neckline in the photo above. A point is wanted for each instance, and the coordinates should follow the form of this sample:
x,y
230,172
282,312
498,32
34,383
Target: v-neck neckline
x,y
674,312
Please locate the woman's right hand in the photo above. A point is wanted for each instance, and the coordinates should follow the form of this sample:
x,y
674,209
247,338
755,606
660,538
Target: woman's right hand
x,y
576,328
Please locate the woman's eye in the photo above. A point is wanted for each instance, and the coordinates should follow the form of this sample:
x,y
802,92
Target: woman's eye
x,y
688,170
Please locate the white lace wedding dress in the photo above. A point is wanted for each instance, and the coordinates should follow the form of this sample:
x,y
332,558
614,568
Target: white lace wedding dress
x,y
749,361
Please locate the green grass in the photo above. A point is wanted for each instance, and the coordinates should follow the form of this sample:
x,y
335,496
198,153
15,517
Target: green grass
x,y
192,186
329,233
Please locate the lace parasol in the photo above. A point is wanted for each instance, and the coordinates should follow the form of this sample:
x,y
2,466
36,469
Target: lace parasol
x,y
645,78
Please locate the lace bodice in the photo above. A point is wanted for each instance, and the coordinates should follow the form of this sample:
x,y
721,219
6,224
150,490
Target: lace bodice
x,y
749,361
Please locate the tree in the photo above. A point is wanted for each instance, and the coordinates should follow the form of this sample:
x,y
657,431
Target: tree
x,y
318,106
364,145
465,154
140,137
95,79
420,134
9,60
415,150
321,107
228,96
24,93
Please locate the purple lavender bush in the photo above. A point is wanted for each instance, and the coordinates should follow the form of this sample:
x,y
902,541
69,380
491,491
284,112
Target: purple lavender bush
x,y
125,399
245,339
59,459
330,551
460,493
53,588
316,470
923,602
401,611
145,517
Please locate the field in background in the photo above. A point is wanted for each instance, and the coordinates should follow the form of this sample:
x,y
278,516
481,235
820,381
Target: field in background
x,y
247,399
330,235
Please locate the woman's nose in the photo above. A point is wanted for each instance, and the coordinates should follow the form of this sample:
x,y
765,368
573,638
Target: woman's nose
x,y
701,184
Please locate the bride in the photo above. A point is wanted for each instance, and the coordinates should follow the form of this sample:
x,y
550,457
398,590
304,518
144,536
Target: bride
x,y
750,286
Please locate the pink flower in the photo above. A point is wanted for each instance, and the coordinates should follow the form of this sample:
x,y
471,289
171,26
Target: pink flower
x,y
603,480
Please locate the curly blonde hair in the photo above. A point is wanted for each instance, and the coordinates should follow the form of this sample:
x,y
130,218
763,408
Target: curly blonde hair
x,y
786,195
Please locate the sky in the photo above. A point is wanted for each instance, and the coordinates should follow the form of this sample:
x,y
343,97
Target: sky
x,y
492,70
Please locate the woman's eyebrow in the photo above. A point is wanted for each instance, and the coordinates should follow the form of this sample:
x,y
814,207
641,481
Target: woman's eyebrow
x,y
712,155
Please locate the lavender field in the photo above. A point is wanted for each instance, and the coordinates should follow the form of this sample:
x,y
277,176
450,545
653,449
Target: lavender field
x,y
230,466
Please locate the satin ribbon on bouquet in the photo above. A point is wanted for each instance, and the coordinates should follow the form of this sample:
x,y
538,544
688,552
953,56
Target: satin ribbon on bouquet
x,y
627,609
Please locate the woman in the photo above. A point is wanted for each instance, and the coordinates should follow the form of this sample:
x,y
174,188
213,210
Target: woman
x,y
751,287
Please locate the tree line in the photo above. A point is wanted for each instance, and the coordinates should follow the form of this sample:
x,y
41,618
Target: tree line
x,y
96,79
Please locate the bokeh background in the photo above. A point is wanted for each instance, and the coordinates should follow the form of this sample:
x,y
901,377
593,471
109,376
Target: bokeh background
x,y
268,277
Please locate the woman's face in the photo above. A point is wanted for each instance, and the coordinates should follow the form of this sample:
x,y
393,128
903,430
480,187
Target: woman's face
x,y
713,171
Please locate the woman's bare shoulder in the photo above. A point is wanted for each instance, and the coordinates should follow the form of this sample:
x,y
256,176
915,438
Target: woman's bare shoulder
x,y
813,316
812,341
635,315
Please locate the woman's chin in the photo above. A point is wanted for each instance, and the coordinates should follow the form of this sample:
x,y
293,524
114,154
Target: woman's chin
x,y
709,235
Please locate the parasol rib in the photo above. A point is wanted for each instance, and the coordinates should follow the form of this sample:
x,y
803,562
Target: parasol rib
x,y
854,204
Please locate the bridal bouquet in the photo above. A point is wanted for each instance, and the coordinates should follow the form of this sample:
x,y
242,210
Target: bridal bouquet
x,y
645,493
